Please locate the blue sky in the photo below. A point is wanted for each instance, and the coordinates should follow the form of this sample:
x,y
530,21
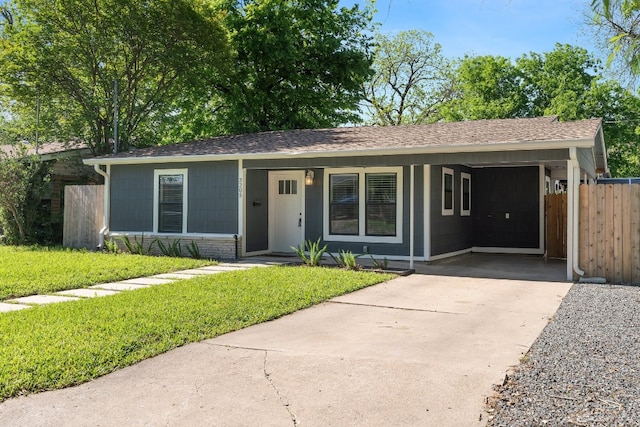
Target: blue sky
x,y
508,28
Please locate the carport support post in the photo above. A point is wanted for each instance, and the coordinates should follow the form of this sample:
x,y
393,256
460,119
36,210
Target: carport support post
x,y
573,175
411,213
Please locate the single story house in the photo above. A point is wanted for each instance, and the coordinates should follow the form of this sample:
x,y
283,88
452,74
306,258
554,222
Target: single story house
x,y
414,192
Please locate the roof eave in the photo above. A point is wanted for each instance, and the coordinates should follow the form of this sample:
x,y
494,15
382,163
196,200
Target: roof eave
x,y
459,148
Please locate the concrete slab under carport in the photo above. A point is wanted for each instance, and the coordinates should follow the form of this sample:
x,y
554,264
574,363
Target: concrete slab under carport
x,y
418,350
494,266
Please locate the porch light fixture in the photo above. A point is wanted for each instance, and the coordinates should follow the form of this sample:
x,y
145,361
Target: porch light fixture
x,y
308,179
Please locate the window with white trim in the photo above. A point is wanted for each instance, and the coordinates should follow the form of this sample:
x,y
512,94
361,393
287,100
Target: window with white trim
x,y
465,194
447,191
170,201
363,204
380,205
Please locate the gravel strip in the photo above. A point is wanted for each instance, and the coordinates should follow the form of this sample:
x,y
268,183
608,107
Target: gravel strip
x,y
583,370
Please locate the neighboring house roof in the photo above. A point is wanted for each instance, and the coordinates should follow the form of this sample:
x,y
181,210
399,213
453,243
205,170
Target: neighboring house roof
x,y
478,135
49,149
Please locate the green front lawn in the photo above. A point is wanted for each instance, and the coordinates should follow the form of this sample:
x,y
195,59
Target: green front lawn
x,y
27,271
64,344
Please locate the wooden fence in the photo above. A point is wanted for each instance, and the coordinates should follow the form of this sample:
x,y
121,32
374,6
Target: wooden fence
x,y
556,224
610,232
83,215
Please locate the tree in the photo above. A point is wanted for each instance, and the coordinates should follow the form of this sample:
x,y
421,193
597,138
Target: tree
x,y
564,82
23,179
411,79
486,87
619,22
296,64
67,55
559,82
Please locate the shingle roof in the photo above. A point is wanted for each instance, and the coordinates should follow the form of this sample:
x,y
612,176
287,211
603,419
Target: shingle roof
x,y
355,139
46,148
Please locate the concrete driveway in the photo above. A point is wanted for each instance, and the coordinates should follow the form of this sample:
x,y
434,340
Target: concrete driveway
x,y
418,350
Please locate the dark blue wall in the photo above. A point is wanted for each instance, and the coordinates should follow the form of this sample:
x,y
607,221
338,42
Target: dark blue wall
x,y
450,233
257,210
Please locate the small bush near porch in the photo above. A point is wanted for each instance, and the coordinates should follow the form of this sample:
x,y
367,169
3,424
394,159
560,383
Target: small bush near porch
x,y
65,344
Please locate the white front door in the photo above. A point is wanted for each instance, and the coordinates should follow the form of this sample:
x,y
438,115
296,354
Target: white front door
x,y
286,213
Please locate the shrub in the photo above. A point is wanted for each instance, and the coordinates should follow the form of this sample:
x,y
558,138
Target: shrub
x,y
310,252
347,259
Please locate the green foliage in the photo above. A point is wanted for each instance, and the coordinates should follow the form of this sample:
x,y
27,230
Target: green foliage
x,y
31,270
310,252
486,87
171,249
164,55
136,247
411,79
111,246
60,345
194,250
380,264
347,260
619,22
565,82
296,64
23,181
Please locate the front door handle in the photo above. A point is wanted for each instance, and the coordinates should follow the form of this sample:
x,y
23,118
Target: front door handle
x,y
299,222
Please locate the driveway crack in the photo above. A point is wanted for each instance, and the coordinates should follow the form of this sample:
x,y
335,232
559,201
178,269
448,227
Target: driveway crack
x,y
391,307
283,401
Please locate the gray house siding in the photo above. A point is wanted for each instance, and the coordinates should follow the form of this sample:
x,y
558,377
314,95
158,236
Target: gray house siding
x,y
131,198
450,233
313,206
212,197
497,192
257,210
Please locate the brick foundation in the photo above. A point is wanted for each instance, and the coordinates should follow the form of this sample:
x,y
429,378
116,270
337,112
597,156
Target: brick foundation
x,y
210,247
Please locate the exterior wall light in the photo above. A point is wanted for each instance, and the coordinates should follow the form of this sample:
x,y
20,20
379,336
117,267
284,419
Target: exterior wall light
x,y
308,179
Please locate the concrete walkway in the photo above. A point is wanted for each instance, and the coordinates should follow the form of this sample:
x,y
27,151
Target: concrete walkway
x,y
106,289
418,350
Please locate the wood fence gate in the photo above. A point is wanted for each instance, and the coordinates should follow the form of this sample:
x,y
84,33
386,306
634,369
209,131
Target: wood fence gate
x,y
610,232
83,211
555,208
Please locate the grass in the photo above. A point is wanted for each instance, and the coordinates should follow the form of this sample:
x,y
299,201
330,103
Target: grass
x,y
31,270
64,344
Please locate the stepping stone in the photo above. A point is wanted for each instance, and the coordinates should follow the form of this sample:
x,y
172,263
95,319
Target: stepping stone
x,y
200,272
251,265
87,293
118,286
220,268
43,299
147,281
175,276
5,307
